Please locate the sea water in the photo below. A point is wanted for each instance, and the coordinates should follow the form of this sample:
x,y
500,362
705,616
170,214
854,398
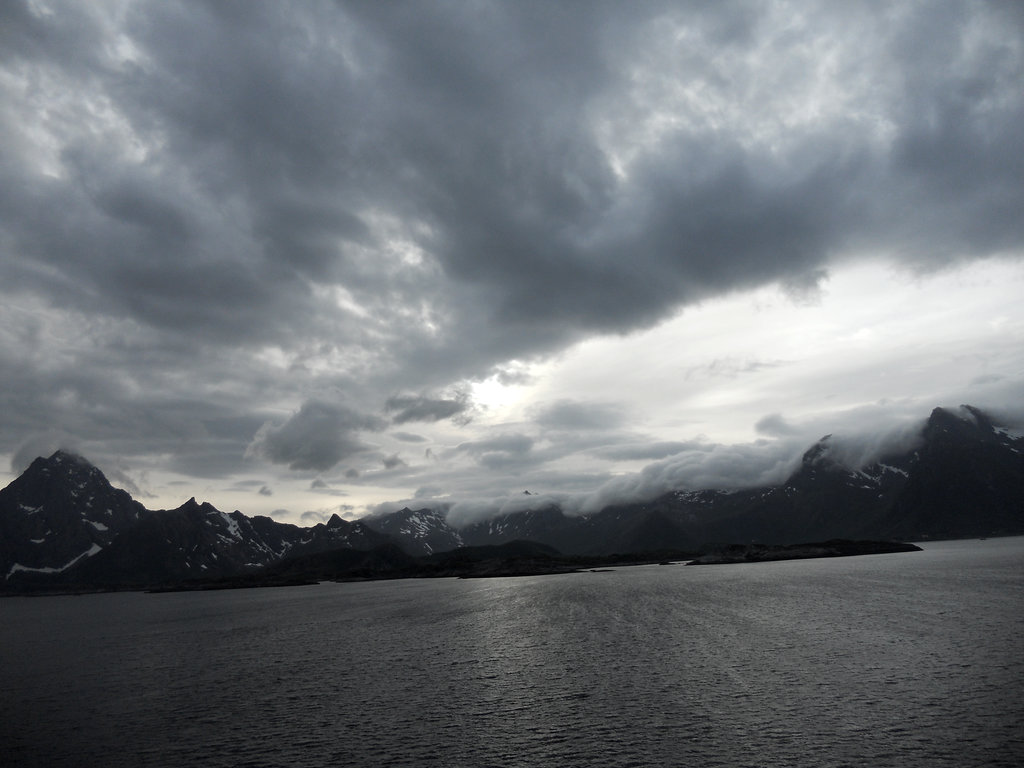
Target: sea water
x,y
886,660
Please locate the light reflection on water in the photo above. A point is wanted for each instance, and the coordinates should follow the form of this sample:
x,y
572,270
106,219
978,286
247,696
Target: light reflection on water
x,y
885,660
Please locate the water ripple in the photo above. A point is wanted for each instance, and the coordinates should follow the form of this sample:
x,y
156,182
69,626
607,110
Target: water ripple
x,y
901,660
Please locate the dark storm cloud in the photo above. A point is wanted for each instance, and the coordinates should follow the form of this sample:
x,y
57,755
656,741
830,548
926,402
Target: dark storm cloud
x,y
570,415
412,408
308,122
512,375
391,195
321,486
394,461
317,436
505,451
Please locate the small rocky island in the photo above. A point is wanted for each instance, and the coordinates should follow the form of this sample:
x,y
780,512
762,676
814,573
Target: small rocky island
x,y
762,553
516,558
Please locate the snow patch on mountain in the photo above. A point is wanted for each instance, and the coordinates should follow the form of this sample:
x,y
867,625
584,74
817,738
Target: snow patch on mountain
x,y
897,470
58,569
233,530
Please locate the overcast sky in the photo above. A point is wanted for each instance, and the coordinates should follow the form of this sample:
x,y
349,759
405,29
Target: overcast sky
x,y
299,258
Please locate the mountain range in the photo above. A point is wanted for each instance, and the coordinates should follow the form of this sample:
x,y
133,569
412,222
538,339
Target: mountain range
x,y
64,527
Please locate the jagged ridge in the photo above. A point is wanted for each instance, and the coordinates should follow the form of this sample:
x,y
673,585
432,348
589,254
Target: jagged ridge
x,y
62,525
965,478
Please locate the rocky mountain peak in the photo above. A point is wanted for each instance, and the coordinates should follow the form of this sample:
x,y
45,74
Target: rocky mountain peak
x,y
196,507
821,458
819,454
60,510
965,418
64,479
64,464
965,424
61,456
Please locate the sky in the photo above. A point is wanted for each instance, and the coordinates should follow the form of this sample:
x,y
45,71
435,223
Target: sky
x,y
300,259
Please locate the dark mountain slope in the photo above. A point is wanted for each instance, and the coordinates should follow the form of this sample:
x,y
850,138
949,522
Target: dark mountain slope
x,y
420,531
199,541
964,478
967,480
822,499
60,511
63,526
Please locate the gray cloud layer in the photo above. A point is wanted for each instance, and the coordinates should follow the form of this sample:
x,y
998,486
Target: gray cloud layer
x,y
213,211
408,408
317,437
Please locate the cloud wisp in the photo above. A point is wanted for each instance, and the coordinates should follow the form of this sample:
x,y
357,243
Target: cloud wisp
x,y
316,437
411,408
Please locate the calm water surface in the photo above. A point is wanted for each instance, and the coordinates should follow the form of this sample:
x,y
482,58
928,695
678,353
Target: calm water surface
x,y
887,660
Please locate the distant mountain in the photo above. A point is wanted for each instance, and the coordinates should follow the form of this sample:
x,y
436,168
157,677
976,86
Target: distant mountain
x,y
547,524
64,527
822,499
420,531
58,513
199,541
965,478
